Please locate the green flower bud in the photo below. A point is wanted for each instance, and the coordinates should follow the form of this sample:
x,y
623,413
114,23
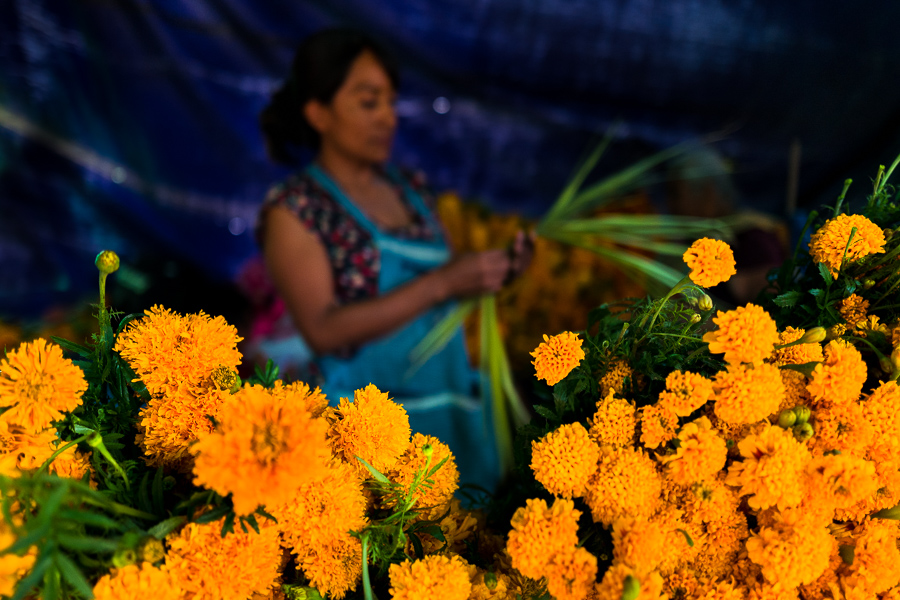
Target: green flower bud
x,y
814,335
803,414
705,303
695,318
868,284
803,431
427,450
631,588
107,262
886,364
152,550
787,419
123,558
490,580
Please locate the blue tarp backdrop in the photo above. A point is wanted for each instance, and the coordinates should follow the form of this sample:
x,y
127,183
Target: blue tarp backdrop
x,y
131,124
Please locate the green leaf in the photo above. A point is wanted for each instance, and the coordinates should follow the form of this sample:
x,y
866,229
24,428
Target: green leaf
x,y
435,532
89,518
252,521
159,503
32,538
73,575
164,528
214,515
826,274
78,349
787,299
228,525
435,468
892,513
143,495
546,413
417,545
848,553
126,320
439,336
52,586
86,543
261,511
375,472
52,504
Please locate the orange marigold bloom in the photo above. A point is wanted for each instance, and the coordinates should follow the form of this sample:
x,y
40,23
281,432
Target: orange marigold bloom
x,y
639,543
792,551
843,427
434,576
12,566
772,468
557,356
373,427
799,354
828,244
38,385
701,453
658,425
614,378
841,377
571,574
795,393
746,394
685,392
267,439
433,500
876,561
72,463
564,460
626,483
23,451
681,584
138,582
841,480
208,566
614,422
746,334
539,533
880,410
711,262
497,587
854,309
313,400
612,586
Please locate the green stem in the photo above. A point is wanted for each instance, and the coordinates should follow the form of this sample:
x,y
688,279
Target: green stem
x,y
96,441
104,314
887,175
367,583
46,466
675,289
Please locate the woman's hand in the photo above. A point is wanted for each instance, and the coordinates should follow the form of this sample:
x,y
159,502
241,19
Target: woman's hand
x,y
474,274
520,253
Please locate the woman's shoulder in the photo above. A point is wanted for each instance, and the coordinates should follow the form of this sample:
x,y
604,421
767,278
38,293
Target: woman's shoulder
x,y
291,191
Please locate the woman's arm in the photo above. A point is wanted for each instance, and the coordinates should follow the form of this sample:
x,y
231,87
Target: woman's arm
x,y
300,269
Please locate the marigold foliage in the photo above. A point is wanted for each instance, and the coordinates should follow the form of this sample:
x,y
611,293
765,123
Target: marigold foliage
x,y
771,470
138,582
840,377
564,459
264,448
38,385
614,422
747,394
685,392
539,533
557,356
746,334
626,483
711,262
700,453
446,479
434,576
829,243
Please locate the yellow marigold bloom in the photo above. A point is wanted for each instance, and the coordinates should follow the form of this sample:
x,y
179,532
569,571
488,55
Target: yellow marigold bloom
x,y
876,561
614,422
316,525
770,591
772,468
721,546
746,334
167,350
746,394
854,309
841,377
685,392
459,526
208,566
799,354
639,543
313,400
711,262
795,393
723,589
38,385
571,574
614,378
539,533
72,463
712,500
626,483
23,451
701,453
264,448
489,586
841,480
681,584
880,410
791,551
828,244
843,427
433,500
658,425
564,460
672,521
612,586
12,567
138,582
434,576
557,356
373,427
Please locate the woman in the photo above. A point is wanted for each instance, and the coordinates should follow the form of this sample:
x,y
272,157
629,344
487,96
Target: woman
x,y
357,254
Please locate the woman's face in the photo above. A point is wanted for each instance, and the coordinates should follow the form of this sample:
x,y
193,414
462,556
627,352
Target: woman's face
x,y
360,120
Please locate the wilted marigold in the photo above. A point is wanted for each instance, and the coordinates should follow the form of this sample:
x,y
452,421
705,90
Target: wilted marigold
x,y
711,262
701,453
854,308
38,385
557,356
746,394
614,378
746,334
564,459
539,533
373,427
685,392
799,354
614,422
841,377
445,480
138,582
269,440
571,574
626,483
434,576
658,425
829,243
772,470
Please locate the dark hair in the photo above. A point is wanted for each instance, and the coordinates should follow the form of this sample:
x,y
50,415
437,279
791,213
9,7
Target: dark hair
x,y
318,70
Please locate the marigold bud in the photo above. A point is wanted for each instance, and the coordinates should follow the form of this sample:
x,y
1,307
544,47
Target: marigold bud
x,y
123,558
107,262
705,303
803,414
787,418
427,450
868,284
152,550
814,335
695,318
631,588
803,431
490,580
886,364
895,358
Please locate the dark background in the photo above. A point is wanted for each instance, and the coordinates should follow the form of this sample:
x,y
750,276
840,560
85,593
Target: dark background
x,y
131,124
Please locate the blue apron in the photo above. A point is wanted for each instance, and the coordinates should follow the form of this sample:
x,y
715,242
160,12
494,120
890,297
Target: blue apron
x,y
441,397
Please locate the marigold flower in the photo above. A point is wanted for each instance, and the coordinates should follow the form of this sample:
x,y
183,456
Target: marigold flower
x,y
626,483
746,394
840,480
459,526
571,574
658,425
269,440
539,533
711,262
489,586
681,584
13,567
564,459
843,427
313,400
722,589
685,392
639,543
829,243
433,500
772,468
746,334
23,451
795,393
72,463
557,356
840,377
792,551
614,422
208,566
853,309
38,385
372,427
434,576
612,586
799,354
876,561
701,453
138,582
614,378
880,411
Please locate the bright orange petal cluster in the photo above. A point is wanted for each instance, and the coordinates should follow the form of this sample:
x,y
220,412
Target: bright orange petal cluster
x,y
539,533
571,574
841,377
799,354
615,421
564,459
626,483
854,308
791,551
748,394
685,392
829,244
557,356
658,425
711,262
772,470
614,378
445,481
138,582
434,576
746,334
880,410
700,454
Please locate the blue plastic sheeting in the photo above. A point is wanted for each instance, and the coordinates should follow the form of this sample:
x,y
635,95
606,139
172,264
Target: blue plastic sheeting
x,y
131,124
